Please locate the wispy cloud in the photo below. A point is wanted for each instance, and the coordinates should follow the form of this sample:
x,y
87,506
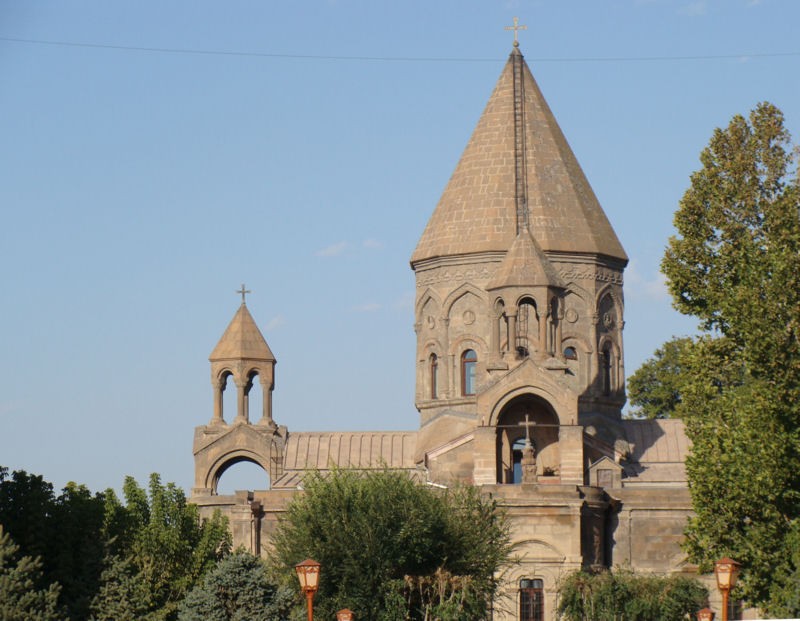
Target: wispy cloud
x,y
334,250
275,322
695,9
372,243
9,408
369,307
640,286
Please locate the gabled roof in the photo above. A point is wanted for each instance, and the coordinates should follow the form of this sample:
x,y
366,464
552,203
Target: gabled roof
x,y
242,340
478,209
321,451
525,265
659,448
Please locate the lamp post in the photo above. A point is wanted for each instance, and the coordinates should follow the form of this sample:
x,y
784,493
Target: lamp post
x,y
345,614
726,570
308,574
706,614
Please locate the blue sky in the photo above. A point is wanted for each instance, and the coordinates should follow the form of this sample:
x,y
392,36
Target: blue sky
x,y
300,147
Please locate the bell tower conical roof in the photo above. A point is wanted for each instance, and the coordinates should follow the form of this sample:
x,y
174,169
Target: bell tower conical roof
x,y
517,170
242,340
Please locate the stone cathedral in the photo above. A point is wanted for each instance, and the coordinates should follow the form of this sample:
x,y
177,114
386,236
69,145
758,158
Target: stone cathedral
x,y
519,373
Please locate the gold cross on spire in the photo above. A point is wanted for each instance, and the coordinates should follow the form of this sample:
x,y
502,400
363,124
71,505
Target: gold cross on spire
x,y
516,27
243,292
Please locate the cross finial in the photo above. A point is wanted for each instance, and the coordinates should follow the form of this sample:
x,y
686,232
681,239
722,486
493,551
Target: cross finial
x,y
243,293
516,28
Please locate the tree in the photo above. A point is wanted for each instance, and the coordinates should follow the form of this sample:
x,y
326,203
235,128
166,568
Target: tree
x,y
393,549
237,589
735,265
623,594
166,549
20,598
65,532
654,389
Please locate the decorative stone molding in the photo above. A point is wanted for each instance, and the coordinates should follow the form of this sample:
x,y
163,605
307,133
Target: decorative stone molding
x,y
599,274
454,275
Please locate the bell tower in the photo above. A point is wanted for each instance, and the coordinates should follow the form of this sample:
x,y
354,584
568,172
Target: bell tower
x,y
242,357
519,307
240,361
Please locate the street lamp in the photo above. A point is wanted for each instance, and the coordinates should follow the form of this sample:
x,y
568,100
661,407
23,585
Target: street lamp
x,y
345,614
308,574
727,570
706,614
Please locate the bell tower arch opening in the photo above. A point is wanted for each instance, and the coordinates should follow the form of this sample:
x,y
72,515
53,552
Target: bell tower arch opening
x,y
227,396
528,333
239,472
253,396
527,418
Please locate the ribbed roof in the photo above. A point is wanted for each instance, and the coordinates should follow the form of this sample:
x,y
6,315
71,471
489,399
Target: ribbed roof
x,y
658,451
477,211
364,449
242,340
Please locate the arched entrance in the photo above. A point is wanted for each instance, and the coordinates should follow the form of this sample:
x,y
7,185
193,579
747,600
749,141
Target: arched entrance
x,y
527,416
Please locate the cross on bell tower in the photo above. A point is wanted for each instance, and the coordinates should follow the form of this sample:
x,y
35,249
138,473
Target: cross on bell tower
x,y
528,461
516,28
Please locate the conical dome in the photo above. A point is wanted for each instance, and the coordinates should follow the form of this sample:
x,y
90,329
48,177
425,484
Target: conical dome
x,y
503,170
242,340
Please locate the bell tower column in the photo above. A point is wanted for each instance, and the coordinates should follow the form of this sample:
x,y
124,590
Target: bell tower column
x,y
267,386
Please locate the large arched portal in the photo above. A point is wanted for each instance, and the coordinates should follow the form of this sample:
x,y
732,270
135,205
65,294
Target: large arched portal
x,y
527,416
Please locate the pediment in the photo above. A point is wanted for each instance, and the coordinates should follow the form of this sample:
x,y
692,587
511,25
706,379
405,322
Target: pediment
x,y
231,437
529,378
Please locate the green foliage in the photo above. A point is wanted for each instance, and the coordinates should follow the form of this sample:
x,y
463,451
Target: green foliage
x,y
654,389
20,597
393,549
124,595
622,595
66,532
237,589
735,265
112,561
168,550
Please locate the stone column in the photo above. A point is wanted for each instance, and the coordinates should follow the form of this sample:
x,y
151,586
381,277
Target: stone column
x,y
266,410
528,463
543,325
217,419
241,402
559,351
593,527
512,330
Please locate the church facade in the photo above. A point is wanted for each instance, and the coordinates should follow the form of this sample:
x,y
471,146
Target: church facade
x,y
520,380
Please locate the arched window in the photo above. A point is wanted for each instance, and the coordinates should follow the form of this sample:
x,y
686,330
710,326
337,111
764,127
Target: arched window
x,y
434,379
468,361
606,362
570,353
531,600
527,328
